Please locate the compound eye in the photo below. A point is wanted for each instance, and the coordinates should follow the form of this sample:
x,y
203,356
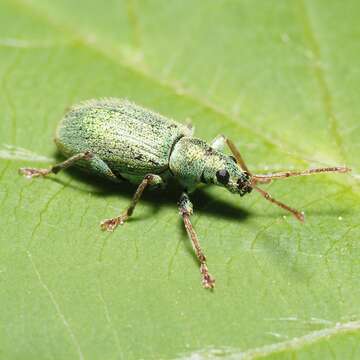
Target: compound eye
x,y
223,176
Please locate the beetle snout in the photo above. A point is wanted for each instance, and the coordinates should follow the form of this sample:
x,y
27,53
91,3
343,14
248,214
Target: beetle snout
x,y
244,185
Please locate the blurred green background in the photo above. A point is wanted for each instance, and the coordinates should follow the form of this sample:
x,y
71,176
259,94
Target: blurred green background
x,y
282,79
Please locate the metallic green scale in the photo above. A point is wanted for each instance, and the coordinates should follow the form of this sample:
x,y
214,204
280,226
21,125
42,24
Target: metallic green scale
x,y
127,141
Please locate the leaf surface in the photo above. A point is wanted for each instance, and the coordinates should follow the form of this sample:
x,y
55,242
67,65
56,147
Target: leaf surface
x,y
281,79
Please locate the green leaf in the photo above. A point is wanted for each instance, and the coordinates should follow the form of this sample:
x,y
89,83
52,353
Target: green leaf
x,y
281,78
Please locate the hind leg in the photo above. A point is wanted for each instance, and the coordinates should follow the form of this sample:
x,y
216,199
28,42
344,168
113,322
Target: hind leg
x,y
35,172
94,163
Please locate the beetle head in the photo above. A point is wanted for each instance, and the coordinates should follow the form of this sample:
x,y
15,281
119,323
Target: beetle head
x,y
232,177
193,160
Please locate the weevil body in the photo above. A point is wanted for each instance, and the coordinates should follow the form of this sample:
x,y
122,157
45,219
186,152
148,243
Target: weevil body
x,y
122,141
127,142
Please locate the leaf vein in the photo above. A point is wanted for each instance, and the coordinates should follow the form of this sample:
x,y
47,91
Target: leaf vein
x,y
57,306
293,344
321,78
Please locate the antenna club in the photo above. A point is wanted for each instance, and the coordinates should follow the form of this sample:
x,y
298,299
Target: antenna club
x,y
345,169
300,216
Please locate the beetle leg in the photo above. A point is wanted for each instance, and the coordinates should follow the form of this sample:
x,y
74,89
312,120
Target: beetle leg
x,y
218,143
33,172
111,224
190,126
186,209
239,159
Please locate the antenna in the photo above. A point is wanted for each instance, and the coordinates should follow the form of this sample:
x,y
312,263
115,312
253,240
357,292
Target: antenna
x,y
267,178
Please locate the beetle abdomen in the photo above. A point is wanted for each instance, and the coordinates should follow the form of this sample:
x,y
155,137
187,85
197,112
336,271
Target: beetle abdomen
x,y
131,140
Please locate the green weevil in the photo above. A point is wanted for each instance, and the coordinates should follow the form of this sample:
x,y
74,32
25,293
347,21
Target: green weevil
x,y
121,141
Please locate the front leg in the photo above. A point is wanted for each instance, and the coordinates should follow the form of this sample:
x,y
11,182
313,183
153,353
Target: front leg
x,y
218,143
186,209
111,224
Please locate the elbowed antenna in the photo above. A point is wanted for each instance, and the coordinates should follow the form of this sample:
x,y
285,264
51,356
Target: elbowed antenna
x,y
299,215
267,178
